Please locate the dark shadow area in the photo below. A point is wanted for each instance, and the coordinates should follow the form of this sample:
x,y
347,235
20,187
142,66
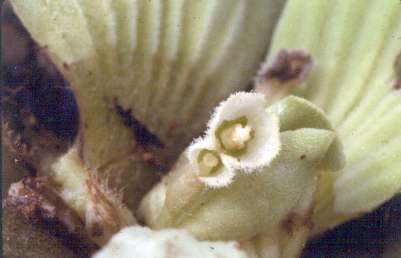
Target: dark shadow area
x,y
365,237
30,83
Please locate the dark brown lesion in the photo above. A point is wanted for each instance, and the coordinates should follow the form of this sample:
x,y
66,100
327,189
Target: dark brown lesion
x,y
289,66
141,133
149,144
37,199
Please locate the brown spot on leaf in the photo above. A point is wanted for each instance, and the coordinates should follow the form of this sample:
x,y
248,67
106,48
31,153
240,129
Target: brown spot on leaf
x,y
288,66
303,156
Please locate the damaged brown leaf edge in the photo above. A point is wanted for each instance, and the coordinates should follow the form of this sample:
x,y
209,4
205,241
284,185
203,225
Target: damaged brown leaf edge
x,y
37,200
289,67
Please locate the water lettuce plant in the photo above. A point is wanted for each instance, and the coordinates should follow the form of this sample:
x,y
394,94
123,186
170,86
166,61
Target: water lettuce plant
x,y
317,143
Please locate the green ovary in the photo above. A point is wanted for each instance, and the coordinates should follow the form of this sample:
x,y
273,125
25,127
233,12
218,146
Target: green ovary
x,y
209,162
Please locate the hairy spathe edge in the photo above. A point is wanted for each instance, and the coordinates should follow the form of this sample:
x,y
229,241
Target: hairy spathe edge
x,y
241,137
208,165
244,111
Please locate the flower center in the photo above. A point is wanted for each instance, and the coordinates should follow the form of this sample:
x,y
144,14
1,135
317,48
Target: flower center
x,y
234,135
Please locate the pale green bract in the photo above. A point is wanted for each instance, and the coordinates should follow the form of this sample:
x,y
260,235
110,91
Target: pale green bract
x,y
254,203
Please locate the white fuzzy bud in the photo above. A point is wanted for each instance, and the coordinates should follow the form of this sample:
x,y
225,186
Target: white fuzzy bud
x,y
241,136
243,130
141,242
208,164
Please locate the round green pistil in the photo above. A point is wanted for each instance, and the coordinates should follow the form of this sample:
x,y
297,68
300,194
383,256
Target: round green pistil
x,y
234,135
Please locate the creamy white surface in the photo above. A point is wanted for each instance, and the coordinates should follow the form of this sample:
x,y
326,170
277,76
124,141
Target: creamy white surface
x,y
142,242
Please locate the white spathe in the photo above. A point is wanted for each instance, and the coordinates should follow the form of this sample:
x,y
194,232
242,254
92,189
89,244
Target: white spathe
x,y
222,177
264,144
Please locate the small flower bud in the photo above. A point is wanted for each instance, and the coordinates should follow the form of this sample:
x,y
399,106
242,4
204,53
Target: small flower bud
x,y
208,164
